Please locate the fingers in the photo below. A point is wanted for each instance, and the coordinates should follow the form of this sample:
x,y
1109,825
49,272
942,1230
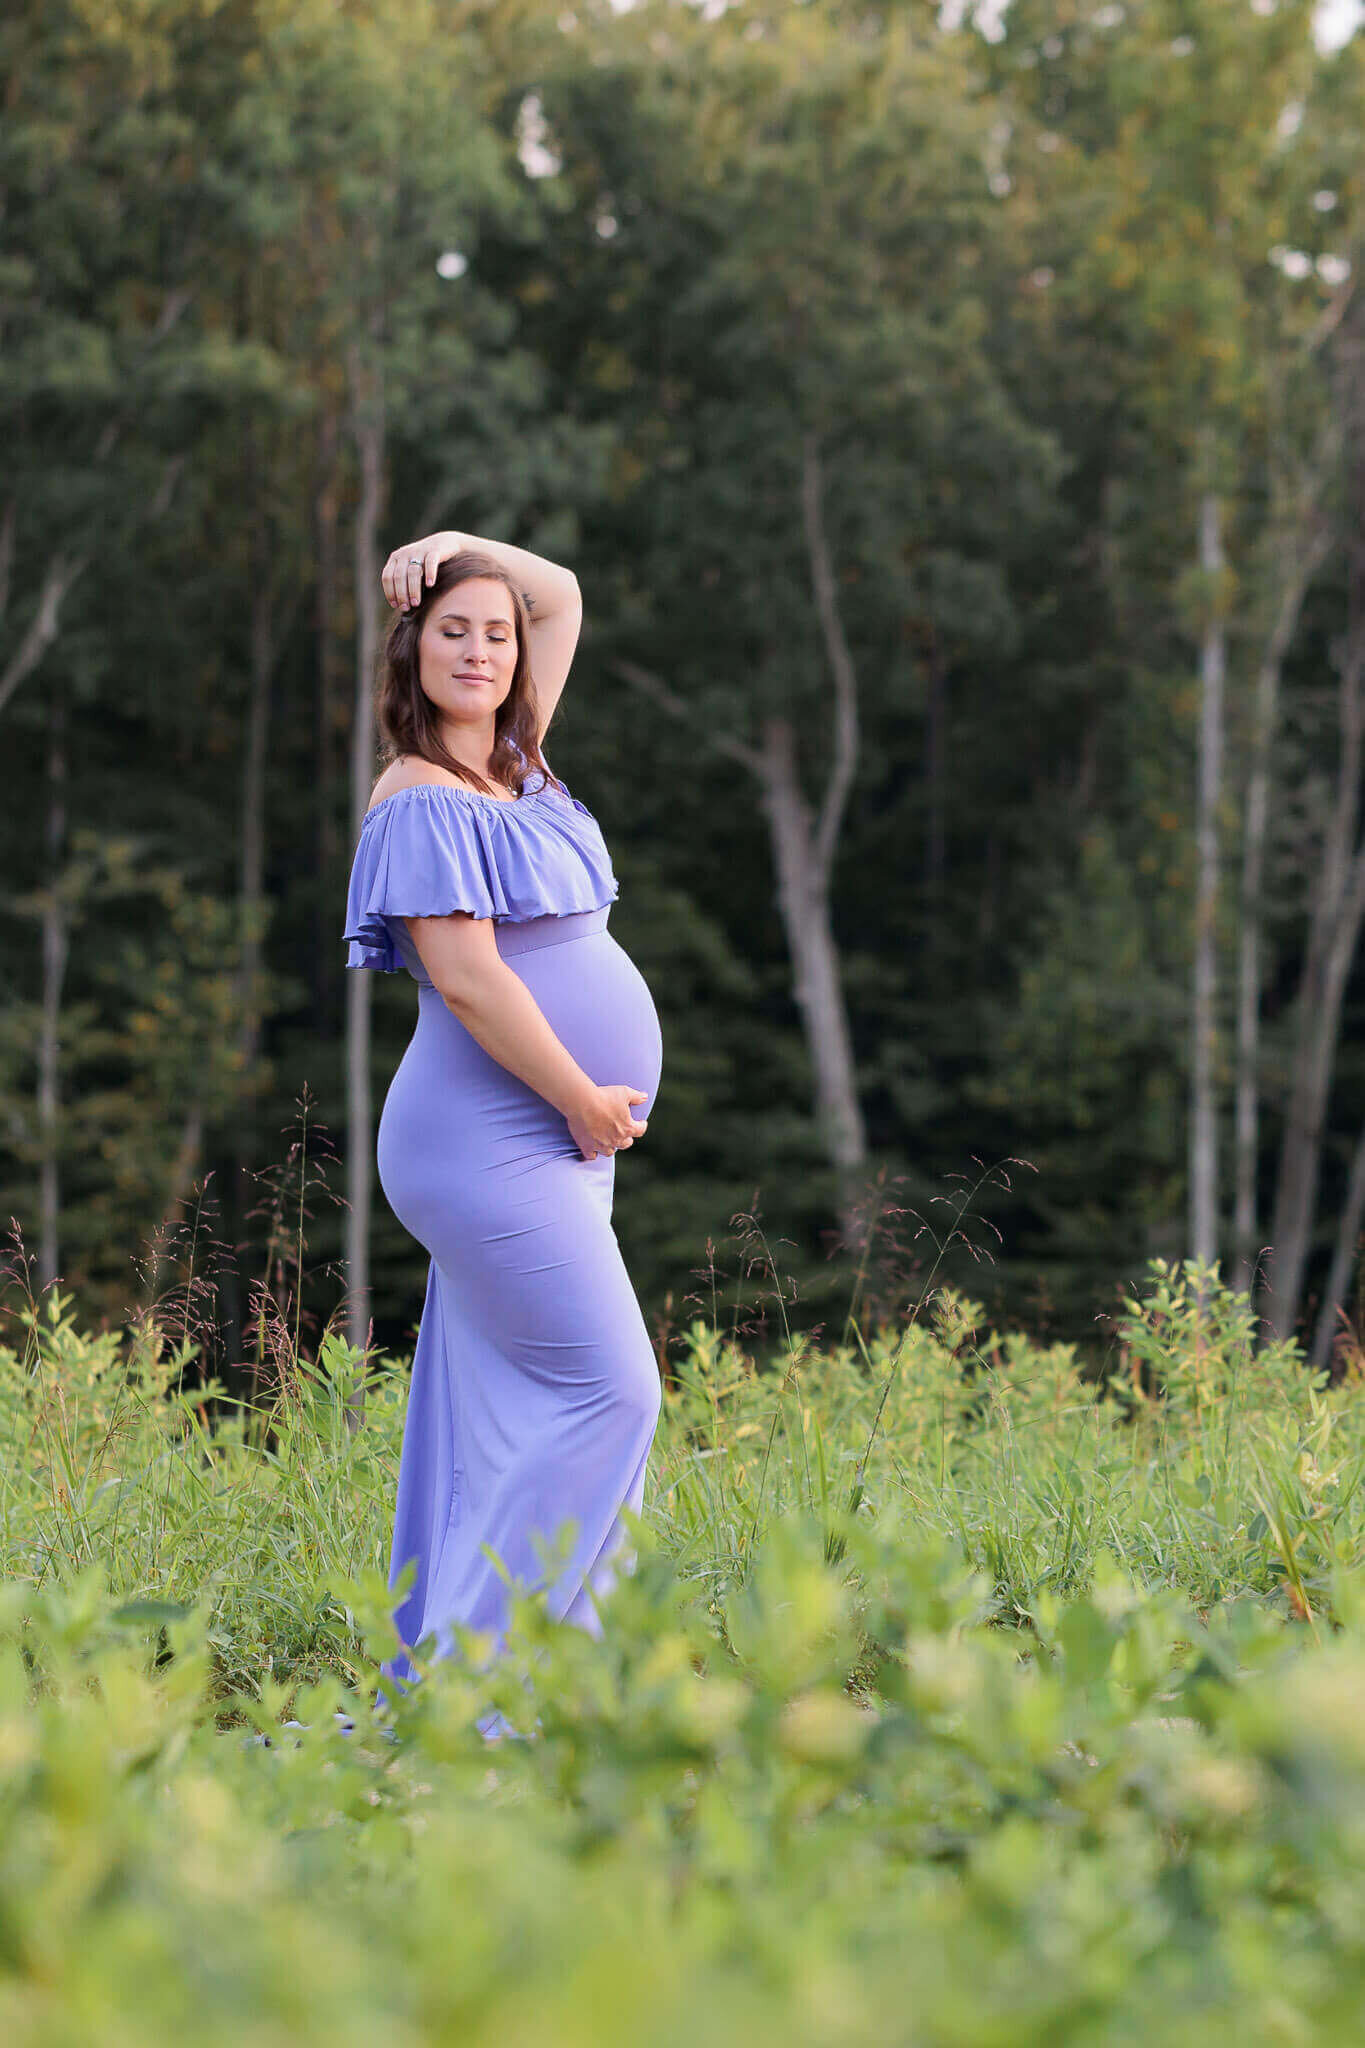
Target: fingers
x,y
606,1151
405,573
413,567
410,574
393,581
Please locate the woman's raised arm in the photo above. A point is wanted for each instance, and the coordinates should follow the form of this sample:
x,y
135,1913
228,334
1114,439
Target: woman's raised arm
x,y
550,593
547,588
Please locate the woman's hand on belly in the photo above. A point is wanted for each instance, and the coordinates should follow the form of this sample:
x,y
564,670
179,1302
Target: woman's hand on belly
x,y
603,1122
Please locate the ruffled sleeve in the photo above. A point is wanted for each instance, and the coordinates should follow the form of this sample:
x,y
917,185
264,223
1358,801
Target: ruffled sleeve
x,y
415,859
428,850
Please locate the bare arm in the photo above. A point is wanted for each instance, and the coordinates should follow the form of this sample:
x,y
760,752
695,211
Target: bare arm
x,y
496,1007
510,1025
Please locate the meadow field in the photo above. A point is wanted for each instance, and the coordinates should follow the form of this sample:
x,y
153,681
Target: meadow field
x,y
951,415
960,1695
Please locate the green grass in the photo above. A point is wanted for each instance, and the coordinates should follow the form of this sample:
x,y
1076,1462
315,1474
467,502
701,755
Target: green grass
x,y
956,1698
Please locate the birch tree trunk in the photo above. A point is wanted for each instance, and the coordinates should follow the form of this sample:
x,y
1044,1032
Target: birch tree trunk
x,y
806,864
1337,914
329,705
263,646
59,578
1344,1254
803,856
61,572
803,871
1306,559
366,386
1338,907
275,583
1203,1162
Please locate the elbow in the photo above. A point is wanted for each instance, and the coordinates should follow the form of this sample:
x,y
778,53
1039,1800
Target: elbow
x,y
455,997
464,992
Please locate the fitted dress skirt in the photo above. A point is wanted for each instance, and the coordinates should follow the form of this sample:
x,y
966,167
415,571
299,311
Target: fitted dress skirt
x,y
535,1390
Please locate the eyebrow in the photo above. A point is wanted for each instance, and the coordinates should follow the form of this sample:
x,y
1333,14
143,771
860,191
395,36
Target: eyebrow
x,y
461,619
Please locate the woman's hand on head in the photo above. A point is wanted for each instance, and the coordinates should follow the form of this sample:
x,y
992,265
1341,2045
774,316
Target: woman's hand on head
x,y
409,569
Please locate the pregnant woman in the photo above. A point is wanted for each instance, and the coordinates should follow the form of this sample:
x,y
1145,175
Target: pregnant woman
x,y
535,1392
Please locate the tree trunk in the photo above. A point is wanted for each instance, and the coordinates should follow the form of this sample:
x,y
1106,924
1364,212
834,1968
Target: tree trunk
x,y
936,771
815,958
1203,1166
264,652
803,859
56,944
803,898
1306,560
187,1159
1344,1256
1338,907
327,717
368,431
58,578
62,571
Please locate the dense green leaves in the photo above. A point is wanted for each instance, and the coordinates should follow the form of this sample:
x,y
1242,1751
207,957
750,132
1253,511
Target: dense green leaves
x,y
1060,1740
630,287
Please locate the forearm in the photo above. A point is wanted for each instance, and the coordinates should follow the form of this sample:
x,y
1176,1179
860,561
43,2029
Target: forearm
x,y
502,1014
550,588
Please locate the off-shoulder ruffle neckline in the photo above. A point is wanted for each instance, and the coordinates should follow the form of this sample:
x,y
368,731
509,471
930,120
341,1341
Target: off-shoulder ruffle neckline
x,y
431,855
471,796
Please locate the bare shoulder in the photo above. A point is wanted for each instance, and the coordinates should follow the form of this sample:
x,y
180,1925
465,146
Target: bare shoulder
x,y
404,772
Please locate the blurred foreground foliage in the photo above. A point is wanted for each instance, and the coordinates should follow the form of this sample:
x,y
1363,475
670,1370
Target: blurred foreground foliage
x,y
955,1698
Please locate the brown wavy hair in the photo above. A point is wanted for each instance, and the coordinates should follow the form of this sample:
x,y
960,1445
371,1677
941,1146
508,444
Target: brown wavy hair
x,y
409,723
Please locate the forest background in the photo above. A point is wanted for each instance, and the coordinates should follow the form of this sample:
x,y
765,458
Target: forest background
x,y
956,422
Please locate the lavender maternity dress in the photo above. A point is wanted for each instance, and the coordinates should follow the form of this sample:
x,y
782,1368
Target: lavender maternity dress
x,y
535,1392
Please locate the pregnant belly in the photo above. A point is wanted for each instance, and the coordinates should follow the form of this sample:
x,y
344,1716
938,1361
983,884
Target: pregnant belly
x,y
599,1007
451,1105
